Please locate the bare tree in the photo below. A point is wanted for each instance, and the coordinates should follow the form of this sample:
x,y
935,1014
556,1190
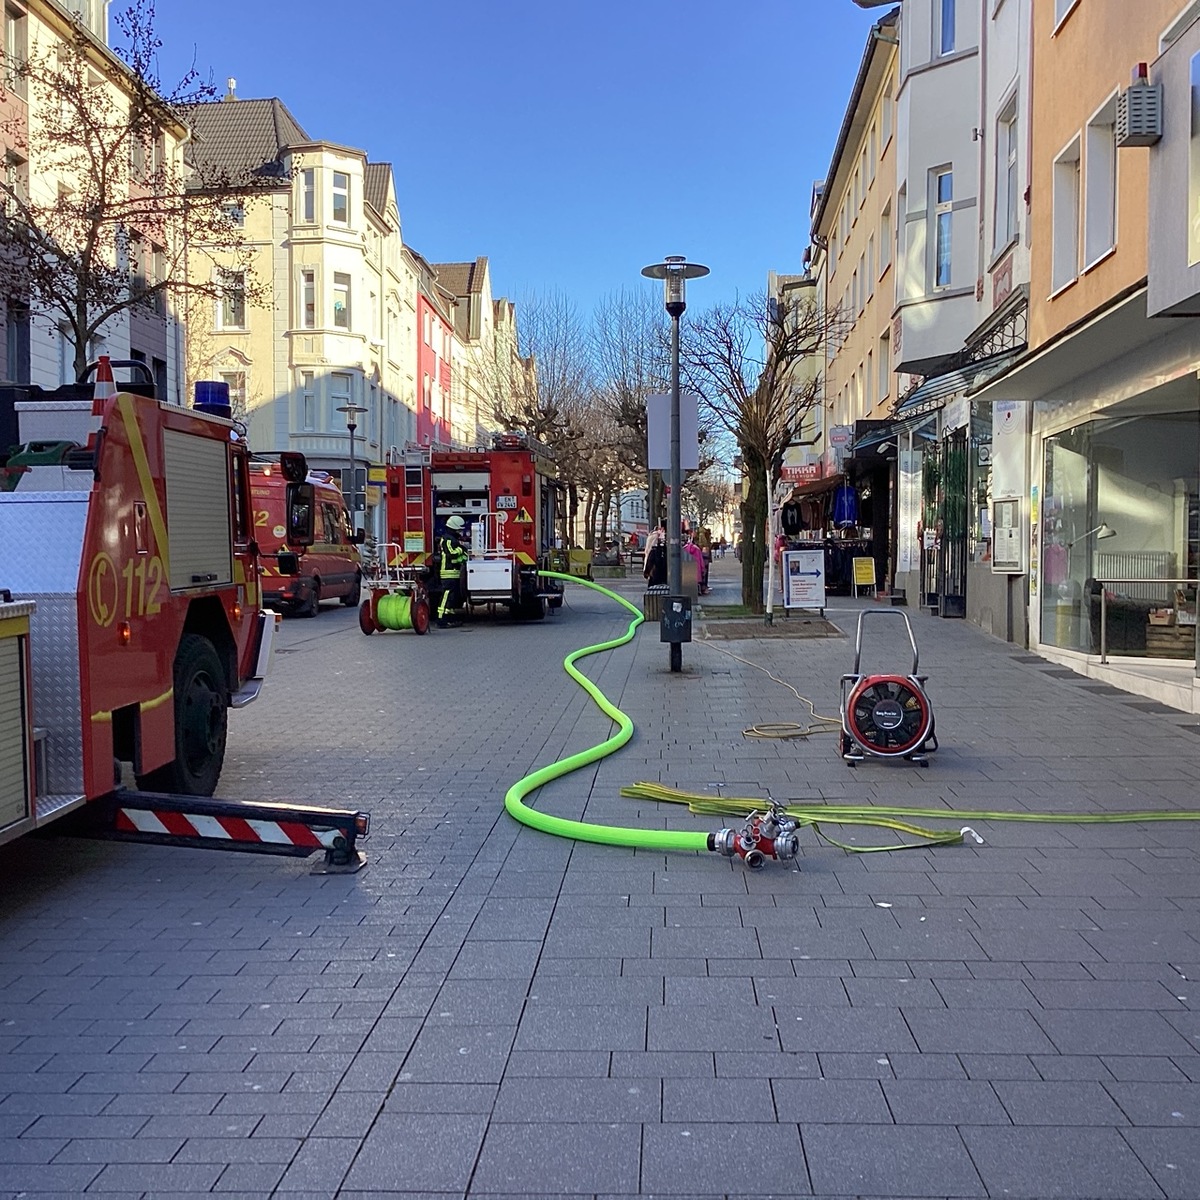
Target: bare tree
x,y
102,223
631,350
744,359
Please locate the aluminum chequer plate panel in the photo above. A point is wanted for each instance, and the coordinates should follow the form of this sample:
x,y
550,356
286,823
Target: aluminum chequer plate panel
x,y
41,542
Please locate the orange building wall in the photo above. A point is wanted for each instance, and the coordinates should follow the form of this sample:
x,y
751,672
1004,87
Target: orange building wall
x,y
1074,71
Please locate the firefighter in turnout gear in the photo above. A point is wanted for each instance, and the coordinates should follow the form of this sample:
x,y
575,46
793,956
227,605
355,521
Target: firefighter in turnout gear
x,y
453,559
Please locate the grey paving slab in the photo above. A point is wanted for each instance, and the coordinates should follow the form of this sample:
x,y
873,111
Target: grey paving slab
x,y
1059,1162
589,1158
1171,1156
880,1160
418,1151
690,1159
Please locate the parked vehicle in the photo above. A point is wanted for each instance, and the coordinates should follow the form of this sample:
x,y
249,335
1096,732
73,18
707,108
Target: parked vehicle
x,y
329,569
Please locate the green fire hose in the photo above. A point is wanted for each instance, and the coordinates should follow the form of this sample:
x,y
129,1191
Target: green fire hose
x,y
811,815
583,831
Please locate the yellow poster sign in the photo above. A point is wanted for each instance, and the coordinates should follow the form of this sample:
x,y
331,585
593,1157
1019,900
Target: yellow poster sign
x,y
864,572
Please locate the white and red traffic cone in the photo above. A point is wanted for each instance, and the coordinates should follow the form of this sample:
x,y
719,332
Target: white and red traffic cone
x,y
104,388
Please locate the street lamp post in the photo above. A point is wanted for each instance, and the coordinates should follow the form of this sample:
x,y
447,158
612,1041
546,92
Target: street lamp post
x,y
352,412
674,271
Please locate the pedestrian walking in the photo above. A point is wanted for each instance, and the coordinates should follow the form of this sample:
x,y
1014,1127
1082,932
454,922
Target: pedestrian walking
x,y
654,566
693,548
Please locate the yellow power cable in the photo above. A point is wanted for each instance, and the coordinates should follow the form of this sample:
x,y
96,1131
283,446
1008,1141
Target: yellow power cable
x,y
781,729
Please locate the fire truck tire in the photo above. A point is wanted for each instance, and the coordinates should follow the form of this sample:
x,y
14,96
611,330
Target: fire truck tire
x,y
312,603
532,608
354,595
201,722
366,621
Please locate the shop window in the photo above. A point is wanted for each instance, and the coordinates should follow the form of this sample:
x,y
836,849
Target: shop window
x,y
1120,515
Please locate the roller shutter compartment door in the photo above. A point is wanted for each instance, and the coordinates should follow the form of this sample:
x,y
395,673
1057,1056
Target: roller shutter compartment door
x,y
197,510
14,767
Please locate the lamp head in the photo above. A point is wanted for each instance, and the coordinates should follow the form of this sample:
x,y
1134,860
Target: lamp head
x,y
1105,531
674,271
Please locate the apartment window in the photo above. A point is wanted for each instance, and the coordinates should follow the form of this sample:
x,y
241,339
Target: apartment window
x,y
833,251
308,195
341,197
231,302
885,238
137,154
872,153
943,219
339,396
236,381
341,300
158,368
308,299
428,330
18,361
373,332
1064,266
66,354
1006,176
16,179
158,151
1100,184
866,169
235,214
887,116
15,51
854,292
945,25
158,275
885,365
869,380
870,266
308,401
904,282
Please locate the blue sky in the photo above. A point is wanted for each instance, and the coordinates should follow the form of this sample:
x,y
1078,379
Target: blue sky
x,y
573,141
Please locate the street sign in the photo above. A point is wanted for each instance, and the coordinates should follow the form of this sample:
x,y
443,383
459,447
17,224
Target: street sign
x,y
804,579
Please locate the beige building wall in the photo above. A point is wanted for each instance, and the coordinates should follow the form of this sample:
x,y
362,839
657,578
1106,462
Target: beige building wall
x,y
1074,87
857,224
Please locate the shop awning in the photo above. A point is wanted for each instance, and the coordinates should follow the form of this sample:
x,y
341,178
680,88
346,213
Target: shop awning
x,y
880,439
1118,331
935,391
816,487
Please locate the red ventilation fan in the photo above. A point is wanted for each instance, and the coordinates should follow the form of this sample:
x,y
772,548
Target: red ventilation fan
x,y
886,716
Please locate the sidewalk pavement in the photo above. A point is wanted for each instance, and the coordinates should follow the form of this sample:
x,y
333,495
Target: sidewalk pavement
x,y
489,1011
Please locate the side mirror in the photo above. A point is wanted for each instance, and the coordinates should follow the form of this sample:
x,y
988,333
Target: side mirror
x,y
294,466
301,513
288,562
358,537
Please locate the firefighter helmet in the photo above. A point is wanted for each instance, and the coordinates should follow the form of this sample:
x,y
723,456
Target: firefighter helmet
x,y
455,524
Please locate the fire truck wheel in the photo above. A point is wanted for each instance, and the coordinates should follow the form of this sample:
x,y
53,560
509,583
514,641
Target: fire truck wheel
x,y
533,609
312,603
366,622
354,595
201,722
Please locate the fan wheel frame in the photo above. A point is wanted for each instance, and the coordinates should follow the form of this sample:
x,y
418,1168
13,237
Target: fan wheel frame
x,y
902,684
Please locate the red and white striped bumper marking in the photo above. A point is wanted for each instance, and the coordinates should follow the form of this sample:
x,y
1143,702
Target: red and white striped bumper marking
x,y
230,829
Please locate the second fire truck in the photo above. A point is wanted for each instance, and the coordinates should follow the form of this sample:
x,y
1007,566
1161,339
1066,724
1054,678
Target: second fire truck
x,y
512,502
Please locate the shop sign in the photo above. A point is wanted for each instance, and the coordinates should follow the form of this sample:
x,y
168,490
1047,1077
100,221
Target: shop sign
x,y
801,473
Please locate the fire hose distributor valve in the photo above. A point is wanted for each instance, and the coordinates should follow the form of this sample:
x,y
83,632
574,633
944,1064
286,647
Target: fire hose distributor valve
x,y
764,835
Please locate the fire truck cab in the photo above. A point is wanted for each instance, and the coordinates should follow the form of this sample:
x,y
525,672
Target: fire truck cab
x,y
511,501
129,562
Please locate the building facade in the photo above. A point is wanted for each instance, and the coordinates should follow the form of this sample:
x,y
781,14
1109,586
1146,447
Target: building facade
x,y
328,345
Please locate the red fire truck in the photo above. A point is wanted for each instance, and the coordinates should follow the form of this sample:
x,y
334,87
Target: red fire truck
x,y
512,502
131,618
